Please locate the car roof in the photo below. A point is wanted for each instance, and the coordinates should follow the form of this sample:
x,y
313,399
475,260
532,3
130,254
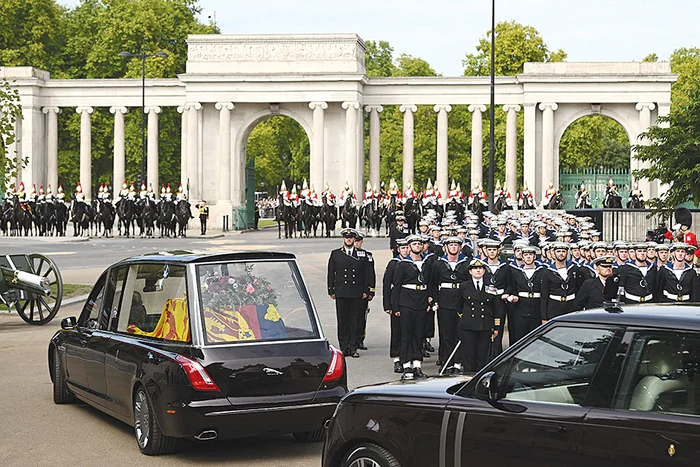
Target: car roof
x,y
657,315
187,257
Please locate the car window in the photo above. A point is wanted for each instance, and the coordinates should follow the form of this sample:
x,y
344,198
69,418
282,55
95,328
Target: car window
x,y
254,301
154,302
113,294
661,374
92,316
556,367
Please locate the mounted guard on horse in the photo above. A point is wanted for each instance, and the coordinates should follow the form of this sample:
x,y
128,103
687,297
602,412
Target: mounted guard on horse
x,y
348,207
431,200
502,200
583,198
612,199
553,198
526,200
455,201
636,199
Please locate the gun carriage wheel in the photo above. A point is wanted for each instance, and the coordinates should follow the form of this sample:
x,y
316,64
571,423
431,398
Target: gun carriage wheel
x,y
35,303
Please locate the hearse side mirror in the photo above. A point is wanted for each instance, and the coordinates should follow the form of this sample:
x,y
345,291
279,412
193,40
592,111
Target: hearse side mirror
x,y
68,323
487,387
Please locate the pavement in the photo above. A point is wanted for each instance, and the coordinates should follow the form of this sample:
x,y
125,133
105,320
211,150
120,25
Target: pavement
x,y
36,432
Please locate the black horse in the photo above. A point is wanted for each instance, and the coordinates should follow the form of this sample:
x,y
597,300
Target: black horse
x,y
348,213
612,200
555,202
107,214
501,204
80,218
390,211
432,205
148,216
61,213
166,218
329,216
126,210
635,203
369,216
182,216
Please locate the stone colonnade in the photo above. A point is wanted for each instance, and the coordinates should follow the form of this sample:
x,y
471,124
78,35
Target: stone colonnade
x,y
539,116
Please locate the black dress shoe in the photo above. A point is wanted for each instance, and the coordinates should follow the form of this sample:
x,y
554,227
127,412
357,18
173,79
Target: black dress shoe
x,y
418,373
429,347
398,367
439,362
407,374
355,354
426,354
362,346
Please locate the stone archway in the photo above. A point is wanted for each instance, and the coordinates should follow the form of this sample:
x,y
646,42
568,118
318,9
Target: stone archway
x,y
248,123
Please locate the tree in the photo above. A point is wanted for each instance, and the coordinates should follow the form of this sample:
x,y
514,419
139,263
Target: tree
x,y
674,154
594,141
9,112
379,60
516,44
31,33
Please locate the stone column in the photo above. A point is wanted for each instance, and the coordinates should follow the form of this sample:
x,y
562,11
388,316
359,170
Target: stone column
x,y
664,110
351,109
317,163
193,109
119,151
17,148
547,145
52,146
408,111
374,139
649,187
511,148
152,147
442,176
477,173
85,150
183,142
530,148
224,109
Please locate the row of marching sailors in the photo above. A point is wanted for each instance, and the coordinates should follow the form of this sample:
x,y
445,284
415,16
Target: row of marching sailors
x,y
472,297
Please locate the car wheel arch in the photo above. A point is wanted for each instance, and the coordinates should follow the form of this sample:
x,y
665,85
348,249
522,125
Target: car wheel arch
x,y
52,353
349,447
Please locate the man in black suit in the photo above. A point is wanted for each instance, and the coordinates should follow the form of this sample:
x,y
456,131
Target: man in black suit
x,y
590,295
480,319
348,287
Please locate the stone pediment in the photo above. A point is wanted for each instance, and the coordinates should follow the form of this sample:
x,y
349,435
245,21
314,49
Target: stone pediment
x,y
276,54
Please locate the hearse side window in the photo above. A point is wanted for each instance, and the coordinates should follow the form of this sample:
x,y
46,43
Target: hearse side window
x,y
115,287
154,302
661,374
91,316
254,301
557,367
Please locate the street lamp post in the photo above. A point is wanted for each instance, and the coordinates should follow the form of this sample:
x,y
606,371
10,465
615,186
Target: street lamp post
x,y
492,144
143,56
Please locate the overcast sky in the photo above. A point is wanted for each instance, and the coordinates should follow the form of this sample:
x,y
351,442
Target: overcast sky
x,y
444,31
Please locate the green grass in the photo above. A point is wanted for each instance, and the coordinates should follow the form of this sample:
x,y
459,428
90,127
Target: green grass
x,y
267,223
74,290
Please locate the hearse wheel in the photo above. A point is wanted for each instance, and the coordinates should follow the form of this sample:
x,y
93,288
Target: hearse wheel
x,y
369,455
149,437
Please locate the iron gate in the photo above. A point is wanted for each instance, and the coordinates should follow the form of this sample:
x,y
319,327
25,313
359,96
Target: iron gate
x,y
596,180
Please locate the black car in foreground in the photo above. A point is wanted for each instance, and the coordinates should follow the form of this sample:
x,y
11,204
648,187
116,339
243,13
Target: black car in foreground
x,y
593,388
201,347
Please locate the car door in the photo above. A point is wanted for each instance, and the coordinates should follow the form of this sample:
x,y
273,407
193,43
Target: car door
x,y
76,348
653,418
545,387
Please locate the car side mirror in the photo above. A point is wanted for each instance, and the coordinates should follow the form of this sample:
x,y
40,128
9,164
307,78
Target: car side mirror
x,y
487,387
68,323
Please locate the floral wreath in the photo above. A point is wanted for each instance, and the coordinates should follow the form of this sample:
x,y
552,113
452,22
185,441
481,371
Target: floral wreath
x,y
219,292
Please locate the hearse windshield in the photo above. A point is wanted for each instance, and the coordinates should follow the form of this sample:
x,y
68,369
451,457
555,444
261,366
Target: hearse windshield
x,y
254,301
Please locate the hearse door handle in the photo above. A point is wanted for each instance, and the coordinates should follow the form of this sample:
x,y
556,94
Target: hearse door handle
x,y
550,427
83,343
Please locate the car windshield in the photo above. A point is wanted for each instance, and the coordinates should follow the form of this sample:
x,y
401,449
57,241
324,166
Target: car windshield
x,y
254,301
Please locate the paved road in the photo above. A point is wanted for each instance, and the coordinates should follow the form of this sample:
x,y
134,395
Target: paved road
x,y
34,431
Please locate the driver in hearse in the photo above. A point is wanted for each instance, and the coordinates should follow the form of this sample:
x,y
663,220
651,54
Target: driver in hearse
x,y
138,314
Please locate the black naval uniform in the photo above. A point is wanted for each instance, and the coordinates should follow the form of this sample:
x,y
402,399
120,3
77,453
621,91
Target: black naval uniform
x,y
396,232
558,293
526,284
496,284
672,289
479,317
395,321
429,331
590,295
409,296
371,278
347,282
445,283
639,285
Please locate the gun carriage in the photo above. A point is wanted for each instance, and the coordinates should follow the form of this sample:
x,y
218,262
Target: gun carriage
x,y
32,286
